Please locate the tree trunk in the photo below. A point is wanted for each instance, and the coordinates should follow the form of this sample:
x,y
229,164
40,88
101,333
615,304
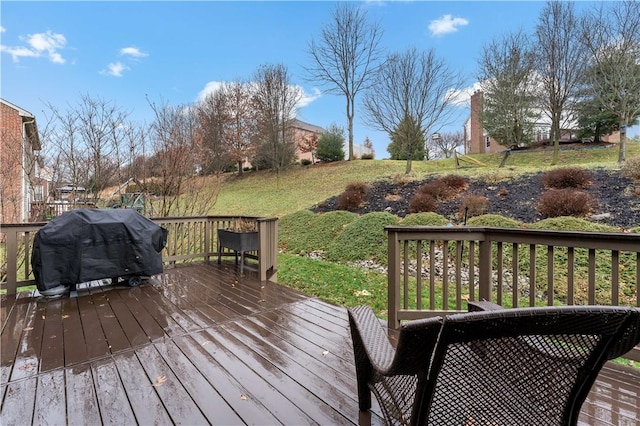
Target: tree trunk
x,y
350,125
622,154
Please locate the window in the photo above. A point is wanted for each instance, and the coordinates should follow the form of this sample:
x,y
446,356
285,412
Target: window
x,y
487,140
38,193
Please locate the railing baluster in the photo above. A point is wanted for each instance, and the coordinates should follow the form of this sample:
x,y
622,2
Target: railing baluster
x,y
472,277
419,275
405,255
532,275
592,276
615,277
432,275
445,275
458,264
570,275
500,266
515,269
550,277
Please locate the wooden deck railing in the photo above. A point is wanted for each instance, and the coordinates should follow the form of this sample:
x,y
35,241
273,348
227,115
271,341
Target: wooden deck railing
x,y
433,270
190,239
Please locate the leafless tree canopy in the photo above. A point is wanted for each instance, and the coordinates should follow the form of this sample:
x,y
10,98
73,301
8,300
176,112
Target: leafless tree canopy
x,y
560,63
508,82
414,84
345,55
446,144
612,37
275,101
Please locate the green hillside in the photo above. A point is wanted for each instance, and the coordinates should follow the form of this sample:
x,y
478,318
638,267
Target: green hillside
x,y
263,193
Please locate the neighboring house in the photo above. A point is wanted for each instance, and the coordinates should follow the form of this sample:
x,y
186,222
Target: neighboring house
x,y
19,171
476,140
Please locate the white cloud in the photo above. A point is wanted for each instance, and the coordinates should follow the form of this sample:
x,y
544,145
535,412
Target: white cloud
x,y
134,52
446,24
308,98
115,69
2,29
461,98
210,87
39,45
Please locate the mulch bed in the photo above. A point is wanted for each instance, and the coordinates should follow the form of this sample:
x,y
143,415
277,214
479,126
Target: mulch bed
x,y
614,193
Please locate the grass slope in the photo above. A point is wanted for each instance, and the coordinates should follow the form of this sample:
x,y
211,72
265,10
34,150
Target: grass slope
x,y
263,193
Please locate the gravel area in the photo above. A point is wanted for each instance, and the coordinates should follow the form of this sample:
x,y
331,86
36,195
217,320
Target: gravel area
x,y
618,203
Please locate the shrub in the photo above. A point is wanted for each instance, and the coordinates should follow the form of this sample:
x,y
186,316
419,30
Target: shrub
x,y
456,182
473,205
424,219
564,223
361,187
503,192
331,145
493,220
437,189
350,200
365,238
631,168
403,178
305,162
566,202
367,156
422,202
566,177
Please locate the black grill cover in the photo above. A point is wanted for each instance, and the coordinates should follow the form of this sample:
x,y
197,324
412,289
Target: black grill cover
x,y
89,244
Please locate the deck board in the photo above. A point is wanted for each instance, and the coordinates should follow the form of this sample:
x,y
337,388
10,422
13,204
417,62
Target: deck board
x,y
201,344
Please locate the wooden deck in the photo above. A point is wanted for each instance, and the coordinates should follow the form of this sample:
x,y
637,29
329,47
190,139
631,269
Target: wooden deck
x,y
201,345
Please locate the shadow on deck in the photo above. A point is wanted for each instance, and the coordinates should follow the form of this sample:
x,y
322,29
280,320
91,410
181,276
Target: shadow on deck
x,y
197,345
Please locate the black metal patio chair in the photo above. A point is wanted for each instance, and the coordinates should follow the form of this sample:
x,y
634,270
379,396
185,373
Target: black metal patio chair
x,y
523,366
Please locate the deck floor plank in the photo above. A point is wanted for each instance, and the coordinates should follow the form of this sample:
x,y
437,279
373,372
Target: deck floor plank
x,y
115,407
52,352
27,358
219,347
291,375
212,405
143,396
19,402
51,403
82,401
195,347
75,347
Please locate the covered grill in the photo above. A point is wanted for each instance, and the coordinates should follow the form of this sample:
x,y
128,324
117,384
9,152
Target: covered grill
x,y
88,244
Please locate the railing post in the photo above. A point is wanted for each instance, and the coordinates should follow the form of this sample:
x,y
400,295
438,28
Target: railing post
x,y
268,251
393,283
484,269
12,261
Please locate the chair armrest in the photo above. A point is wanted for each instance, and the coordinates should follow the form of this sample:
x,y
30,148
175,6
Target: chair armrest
x,y
483,305
370,333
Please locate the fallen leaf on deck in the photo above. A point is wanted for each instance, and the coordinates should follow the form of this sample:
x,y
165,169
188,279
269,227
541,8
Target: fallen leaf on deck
x,y
27,329
160,380
66,316
244,397
325,353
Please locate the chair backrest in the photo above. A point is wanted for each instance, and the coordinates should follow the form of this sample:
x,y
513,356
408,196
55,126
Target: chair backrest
x,y
521,366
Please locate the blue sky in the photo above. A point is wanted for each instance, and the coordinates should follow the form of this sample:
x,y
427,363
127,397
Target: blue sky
x,y
55,52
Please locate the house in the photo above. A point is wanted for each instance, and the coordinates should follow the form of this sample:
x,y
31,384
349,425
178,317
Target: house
x,y
20,183
477,141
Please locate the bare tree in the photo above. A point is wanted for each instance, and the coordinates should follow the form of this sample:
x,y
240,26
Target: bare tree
x,y
213,117
275,101
241,127
508,82
612,37
101,130
446,144
345,56
178,156
415,84
560,63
